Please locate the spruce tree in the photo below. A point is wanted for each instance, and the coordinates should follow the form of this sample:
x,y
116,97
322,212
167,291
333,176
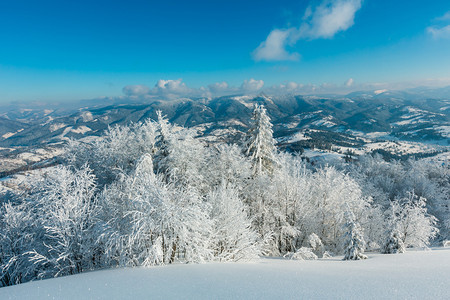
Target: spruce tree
x,y
260,144
354,243
394,244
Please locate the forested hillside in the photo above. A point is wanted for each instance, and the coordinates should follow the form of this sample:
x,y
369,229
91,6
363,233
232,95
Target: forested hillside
x,y
152,193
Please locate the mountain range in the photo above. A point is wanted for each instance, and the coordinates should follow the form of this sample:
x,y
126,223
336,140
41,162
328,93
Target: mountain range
x,y
300,122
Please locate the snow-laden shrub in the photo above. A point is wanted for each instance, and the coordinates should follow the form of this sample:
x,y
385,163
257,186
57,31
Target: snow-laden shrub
x,y
316,244
304,253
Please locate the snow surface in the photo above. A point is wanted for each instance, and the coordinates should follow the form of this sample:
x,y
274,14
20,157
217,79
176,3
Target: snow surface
x,y
10,134
444,130
413,275
81,129
57,126
377,92
324,122
299,136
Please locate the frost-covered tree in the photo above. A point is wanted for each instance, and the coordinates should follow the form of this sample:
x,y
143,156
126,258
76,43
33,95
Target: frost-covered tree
x,y
431,180
260,198
17,236
304,253
393,244
386,181
288,182
232,237
166,222
115,152
56,214
354,244
64,201
274,203
226,163
179,157
163,141
260,144
409,218
316,245
327,196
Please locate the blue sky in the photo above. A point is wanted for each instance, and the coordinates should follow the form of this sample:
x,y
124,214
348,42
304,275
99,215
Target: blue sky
x,y
69,50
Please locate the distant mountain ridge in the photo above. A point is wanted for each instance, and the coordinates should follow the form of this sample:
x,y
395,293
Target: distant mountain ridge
x,y
403,115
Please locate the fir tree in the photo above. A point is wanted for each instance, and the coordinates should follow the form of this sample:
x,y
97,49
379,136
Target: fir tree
x,y
260,144
162,144
354,243
394,244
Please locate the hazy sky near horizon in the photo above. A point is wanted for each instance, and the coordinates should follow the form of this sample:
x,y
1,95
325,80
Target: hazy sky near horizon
x,y
68,50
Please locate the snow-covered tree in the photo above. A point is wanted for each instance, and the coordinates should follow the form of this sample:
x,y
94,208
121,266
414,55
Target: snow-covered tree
x,y
226,163
316,245
327,196
115,152
409,218
65,203
288,186
260,144
179,157
393,244
354,244
163,141
260,199
17,236
232,237
166,222
50,230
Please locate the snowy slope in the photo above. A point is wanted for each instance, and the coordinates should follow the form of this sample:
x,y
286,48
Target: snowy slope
x,y
413,275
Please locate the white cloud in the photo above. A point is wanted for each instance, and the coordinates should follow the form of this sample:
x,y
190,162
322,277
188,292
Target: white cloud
x,y
165,89
170,87
322,21
252,85
174,89
218,87
273,48
442,30
290,86
329,18
349,82
135,90
445,17
439,32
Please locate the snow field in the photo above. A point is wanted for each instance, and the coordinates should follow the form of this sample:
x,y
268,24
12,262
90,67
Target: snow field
x,y
413,275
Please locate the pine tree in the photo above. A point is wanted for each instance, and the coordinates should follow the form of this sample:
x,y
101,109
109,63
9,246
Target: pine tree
x,y
354,243
260,144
